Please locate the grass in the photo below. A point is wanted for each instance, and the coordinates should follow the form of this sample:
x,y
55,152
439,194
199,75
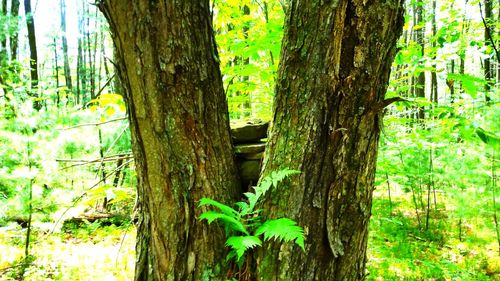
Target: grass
x,y
400,250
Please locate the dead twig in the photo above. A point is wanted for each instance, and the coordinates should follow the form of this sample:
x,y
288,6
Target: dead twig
x,y
94,124
82,162
76,200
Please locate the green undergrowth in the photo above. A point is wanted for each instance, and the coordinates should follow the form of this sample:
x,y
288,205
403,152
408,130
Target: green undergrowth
x,y
398,249
92,252
401,250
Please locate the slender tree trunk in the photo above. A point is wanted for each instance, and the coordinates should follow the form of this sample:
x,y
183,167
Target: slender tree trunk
x,y
81,60
37,104
6,57
67,69
334,69
246,106
450,83
488,71
419,39
3,41
79,90
14,41
498,62
434,85
56,72
91,50
180,133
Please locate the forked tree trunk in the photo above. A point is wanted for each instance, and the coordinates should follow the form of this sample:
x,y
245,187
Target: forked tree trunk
x,y
334,71
178,116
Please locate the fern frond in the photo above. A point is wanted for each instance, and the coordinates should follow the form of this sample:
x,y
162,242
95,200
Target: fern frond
x,y
272,180
282,229
242,243
228,221
280,175
233,255
224,208
252,200
244,208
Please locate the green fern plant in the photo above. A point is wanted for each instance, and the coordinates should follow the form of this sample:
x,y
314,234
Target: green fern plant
x,y
244,227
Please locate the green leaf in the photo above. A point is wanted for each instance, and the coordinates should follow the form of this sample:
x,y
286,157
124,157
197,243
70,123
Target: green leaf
x,y
228,221
224,208
244,208
468,82
272,179
264,186
276,177
242,243
252,200
282,229
488,137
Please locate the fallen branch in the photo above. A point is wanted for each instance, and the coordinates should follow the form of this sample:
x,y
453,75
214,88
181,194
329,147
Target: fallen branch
x,y
76,200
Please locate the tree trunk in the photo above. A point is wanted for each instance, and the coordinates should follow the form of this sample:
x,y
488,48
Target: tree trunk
x,y
56,73
33,54
178,116
91,50
488,73
81,64
419,39
498,36
14,12
67,69
434,84
335,64
3,38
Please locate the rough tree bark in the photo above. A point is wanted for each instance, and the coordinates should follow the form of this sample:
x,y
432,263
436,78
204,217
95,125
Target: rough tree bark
x,y
178,116
333,74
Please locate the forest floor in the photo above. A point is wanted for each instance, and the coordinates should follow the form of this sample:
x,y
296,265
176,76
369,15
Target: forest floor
x,y
398,248
92,252
451,248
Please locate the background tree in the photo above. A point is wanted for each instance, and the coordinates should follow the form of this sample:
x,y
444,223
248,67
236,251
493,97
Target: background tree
x,y
14,11
30,23
67,69
419,31
180,132
3,38
488,31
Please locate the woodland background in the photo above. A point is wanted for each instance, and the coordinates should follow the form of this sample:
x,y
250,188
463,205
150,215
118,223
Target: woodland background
x,y
67,175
